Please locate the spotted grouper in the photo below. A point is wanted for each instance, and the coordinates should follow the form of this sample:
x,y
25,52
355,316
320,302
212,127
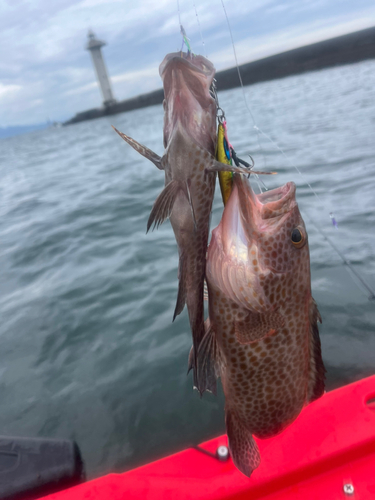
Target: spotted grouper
x,y
190,170
261,337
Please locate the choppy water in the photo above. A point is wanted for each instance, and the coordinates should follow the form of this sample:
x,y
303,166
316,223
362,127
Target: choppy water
x,y
88,350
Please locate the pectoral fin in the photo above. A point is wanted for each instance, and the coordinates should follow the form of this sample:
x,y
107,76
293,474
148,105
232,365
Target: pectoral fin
x,y
242,447
163,205
257,326
146,152
216,166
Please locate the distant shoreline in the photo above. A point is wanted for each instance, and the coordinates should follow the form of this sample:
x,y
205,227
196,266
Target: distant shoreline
x,y
345,49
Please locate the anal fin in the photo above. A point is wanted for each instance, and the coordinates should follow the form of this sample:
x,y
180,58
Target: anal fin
x,y
208,361
181,295
242,447
317,368
163,205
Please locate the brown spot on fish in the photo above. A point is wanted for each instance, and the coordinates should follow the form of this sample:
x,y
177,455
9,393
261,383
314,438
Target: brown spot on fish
x,y
273,363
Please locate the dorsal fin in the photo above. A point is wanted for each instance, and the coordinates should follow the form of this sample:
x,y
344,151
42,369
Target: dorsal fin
x,y
317,368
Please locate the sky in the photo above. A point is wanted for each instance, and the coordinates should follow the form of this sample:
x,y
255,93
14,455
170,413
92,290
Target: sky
x,y
46,73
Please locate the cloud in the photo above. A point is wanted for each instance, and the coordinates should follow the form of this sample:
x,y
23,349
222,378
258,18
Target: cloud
x,y
132,76
5,90
45,70
82,89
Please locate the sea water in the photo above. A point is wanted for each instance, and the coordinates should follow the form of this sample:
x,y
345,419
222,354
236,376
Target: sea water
x,y
88,347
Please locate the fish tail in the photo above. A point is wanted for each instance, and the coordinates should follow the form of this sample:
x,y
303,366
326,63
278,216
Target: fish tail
x,y
191,292
195,310
242,447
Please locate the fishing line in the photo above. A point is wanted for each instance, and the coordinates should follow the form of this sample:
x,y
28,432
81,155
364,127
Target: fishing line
x,y
179,13
259,181
185,39
346,263
291,163
200,31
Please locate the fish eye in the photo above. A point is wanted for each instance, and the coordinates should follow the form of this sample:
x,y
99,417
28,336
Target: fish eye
x,y
298,237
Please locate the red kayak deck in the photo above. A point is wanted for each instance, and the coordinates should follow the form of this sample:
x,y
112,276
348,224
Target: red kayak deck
x,y
327,453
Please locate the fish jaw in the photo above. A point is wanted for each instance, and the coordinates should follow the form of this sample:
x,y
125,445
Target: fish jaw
x,y
253,242
228,268
187,80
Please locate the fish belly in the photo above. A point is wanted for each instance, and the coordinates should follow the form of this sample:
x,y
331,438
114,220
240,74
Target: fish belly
x,y
190,220
265,382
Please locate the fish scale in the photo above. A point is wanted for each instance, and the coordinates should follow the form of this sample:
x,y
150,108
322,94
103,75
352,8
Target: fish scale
x,y
263,329
190,167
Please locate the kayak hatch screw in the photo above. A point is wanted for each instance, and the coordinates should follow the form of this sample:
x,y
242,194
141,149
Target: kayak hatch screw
x,y
348,489
222,453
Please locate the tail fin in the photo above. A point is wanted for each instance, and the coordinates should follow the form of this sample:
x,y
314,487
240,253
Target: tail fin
x,y
193,362
243,448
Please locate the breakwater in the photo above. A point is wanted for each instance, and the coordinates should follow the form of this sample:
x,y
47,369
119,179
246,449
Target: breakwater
x,y
345,49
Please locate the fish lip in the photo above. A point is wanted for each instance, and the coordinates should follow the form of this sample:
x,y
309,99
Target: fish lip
x,y
268,205
196,63
277,201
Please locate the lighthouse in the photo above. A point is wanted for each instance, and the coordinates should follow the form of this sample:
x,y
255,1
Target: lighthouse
x,y
94,46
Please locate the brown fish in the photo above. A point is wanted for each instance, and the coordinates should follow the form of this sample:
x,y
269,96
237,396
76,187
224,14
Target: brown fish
x,y
190,171
262,336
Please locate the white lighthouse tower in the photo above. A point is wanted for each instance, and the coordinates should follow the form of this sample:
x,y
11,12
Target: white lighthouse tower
x,y
94,45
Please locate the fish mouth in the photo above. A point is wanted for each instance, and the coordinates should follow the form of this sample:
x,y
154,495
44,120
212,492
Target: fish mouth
x,y
268,205
187,61
190,74
188,104
248,217
277,201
